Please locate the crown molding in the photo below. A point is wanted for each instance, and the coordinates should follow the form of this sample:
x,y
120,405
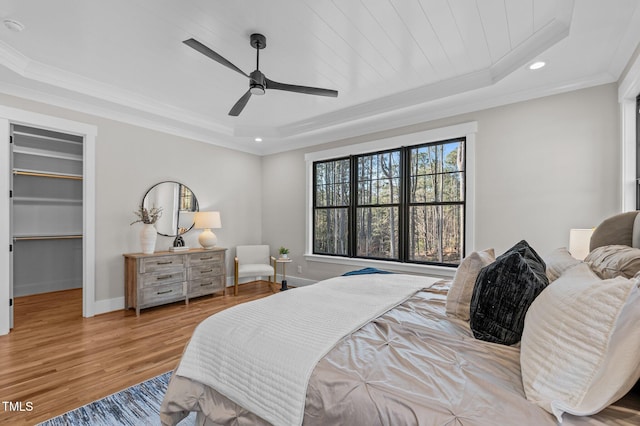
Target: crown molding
x,y
118,113
43,73
453,106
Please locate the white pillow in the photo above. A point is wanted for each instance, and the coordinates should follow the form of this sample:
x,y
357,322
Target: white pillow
x,y
580,348
559,261
461,290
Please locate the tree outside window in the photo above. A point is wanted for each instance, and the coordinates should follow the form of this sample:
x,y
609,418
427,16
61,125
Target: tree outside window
x,y
405,204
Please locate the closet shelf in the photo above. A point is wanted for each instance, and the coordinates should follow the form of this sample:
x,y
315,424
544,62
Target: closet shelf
x,y
46,200
46,153
38,173
43,137
47,237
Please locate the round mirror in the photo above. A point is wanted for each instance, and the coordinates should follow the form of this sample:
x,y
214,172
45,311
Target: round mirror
x,y
178,203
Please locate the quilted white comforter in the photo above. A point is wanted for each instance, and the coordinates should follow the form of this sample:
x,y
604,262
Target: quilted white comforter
x,y
261,354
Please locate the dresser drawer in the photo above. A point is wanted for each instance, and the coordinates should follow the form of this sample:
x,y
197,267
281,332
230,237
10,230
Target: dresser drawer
x,y
205,271
162,294
168,276
161,263
201,287
196,259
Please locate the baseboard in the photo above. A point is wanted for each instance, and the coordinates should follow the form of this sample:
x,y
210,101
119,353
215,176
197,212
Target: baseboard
x,y
292,281
297,281
27,289
108,305
117,303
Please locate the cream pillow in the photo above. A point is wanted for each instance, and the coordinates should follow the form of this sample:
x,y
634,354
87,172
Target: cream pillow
x,y
613,261
558,261
461,290
580,345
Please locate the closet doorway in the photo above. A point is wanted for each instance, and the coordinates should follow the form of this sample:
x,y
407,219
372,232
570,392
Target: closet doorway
x,y
46,215
49,215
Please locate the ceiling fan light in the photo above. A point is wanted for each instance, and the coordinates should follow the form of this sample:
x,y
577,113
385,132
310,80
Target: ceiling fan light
x,y
256,89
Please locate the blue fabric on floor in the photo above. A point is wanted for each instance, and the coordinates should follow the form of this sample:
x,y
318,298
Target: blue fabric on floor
x,y
366,271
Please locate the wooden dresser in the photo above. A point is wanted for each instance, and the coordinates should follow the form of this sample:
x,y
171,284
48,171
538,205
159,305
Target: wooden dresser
x,y
165,276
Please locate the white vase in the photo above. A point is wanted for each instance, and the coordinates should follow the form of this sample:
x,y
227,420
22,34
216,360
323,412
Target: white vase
x,y
148,236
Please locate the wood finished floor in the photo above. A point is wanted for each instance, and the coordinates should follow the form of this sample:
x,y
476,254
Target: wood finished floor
x,y
57,360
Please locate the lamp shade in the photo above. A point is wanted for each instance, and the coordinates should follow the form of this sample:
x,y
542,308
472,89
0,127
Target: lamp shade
x,y
579,240
208,220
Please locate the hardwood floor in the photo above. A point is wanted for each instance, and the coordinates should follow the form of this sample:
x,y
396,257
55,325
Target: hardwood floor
x,y
54,360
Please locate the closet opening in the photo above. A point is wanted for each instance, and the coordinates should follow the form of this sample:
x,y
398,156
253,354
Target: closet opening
x,y
46,214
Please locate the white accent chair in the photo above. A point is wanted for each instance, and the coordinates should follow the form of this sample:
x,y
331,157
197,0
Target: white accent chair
x,y
253,261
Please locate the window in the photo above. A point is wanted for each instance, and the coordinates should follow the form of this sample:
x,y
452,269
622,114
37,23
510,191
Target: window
x,y
377,209
331,201
404,204
436,202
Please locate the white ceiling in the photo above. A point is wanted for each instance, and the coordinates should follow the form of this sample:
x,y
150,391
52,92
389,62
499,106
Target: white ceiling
x,y
394,62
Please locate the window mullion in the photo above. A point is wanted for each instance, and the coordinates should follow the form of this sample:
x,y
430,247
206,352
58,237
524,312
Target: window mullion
x,y
353,201
403,210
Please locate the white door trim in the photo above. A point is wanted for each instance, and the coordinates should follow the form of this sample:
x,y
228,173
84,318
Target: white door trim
x,y
88,132
628,90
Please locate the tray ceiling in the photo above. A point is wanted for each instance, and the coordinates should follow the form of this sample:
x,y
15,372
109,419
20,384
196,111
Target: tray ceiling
x,y
394,62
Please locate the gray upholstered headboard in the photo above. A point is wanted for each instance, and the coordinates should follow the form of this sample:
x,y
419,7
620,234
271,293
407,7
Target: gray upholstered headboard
x,y
621,229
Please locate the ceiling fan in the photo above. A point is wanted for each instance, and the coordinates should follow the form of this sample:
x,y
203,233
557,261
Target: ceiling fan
x,y
258,83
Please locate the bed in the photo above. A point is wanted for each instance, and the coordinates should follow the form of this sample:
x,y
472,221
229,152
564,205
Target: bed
x,y
417,362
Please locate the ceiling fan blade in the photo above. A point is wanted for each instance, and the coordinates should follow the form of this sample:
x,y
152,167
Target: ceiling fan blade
x,y
195,44
239,106
300,89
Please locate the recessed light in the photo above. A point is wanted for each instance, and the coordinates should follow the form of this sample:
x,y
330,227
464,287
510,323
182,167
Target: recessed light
x,y
258,139
537,65
13,25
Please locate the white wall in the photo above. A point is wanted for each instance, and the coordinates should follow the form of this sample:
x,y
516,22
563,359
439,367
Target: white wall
x,y
130,159
542,167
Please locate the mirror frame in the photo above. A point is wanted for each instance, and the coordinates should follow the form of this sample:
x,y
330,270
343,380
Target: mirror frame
x,y
174,212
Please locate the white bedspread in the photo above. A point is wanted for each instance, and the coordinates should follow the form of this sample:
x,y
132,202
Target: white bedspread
x,y
261,354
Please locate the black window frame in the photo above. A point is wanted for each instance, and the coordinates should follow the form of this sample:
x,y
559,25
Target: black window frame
x,y
404,204
316,207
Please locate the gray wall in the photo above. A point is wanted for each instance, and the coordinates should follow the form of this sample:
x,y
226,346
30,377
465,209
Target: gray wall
x,y
542,167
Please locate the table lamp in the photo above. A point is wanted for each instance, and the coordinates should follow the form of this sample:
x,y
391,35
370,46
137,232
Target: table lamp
x,y
579,240
207,221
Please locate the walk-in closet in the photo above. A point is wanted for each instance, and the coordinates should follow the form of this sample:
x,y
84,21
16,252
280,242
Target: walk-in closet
x,y
46,210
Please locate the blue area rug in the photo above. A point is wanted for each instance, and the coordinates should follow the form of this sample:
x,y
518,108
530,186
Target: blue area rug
x,y
137,405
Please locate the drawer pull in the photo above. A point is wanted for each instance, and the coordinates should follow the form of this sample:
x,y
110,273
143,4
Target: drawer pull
x,y
206,284
164,277
169,262
165,292
206,258
207,271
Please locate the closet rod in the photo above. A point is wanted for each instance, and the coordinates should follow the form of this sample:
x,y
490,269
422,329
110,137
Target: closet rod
x,y
48,237
50,175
